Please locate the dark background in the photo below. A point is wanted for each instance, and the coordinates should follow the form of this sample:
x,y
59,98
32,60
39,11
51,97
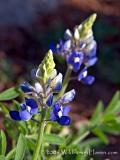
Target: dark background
x,y
27,28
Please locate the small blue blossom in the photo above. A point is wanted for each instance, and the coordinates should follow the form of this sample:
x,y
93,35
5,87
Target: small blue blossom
x,y
84,78
28,109
60,112
35,91
75,60
25,87
56,83
82,74
88,80
90,54
67,97
67,45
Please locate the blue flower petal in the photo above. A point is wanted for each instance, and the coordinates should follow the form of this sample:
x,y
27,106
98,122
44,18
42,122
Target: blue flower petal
x,y
91,49
67,97
56,83
88,80
92,52
23,106
52,116
32,104
15,115
82,74
20,116
56,108
64,120
50,100
59,47
75,59
57,87
76,66
66,110
26,87
91,61
67,45
25,115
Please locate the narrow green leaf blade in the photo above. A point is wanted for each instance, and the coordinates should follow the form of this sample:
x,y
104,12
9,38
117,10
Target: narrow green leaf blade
x,y
3,108
54,139
3,143
11,154
98,132
113,103
9,94
96,117
111,128
93,142
21,147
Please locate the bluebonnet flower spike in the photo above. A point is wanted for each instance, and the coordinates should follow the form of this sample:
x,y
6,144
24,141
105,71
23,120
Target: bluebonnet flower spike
x,y
79,48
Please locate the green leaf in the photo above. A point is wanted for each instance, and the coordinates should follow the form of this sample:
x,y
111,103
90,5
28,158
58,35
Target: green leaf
x,y
2,157
108,118
3,143
54,139
4,108
21,147
112,128
114,104
9,94
22,127
80,138
93,142
98,132
96,117
114,110
31,144
11,154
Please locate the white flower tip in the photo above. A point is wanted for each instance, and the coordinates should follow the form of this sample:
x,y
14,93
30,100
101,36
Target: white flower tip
x,y
50,51
38,87
73,91
68,32
76,34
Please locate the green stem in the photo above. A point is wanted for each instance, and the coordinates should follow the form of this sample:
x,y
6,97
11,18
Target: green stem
x,y
38,147
65,82
48,128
